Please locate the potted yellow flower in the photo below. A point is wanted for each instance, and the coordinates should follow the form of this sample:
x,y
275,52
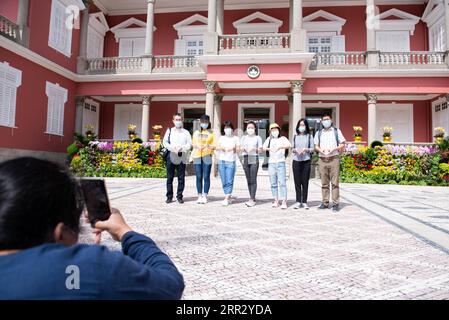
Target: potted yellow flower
x,y
387,131
157,132
357,133
439,134
132,131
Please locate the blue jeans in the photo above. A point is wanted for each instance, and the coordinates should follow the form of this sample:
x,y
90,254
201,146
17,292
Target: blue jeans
x,y
278,180
227,174
203,167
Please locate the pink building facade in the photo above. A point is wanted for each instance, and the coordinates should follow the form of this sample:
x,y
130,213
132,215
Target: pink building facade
x,y
65,64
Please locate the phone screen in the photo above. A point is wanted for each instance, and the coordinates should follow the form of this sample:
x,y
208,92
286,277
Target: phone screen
x,y
96,199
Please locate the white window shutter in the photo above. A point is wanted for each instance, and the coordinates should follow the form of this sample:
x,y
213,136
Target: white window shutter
x,y
338,44
4,114
138,47
180,47
126,47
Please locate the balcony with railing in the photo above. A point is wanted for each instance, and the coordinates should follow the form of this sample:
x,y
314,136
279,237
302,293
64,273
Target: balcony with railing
x,y
383,60
127,65
9,29
339,60
412,59
254,43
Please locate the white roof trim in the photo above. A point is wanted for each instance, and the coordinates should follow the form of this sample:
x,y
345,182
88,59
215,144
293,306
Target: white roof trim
x,y
407,21
122,31
98,22
434,12
334,23
271,24
185,26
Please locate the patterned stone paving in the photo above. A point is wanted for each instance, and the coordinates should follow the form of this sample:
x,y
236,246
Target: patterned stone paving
x,y
265,253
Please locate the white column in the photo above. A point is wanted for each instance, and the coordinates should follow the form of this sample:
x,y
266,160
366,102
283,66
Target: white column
x,y
220,17
210,95
79,103
216,126
22,22
371,26
297,111
148,59
82,56
291,130
372,123
298,34
145,132
211,36
150,27
446,19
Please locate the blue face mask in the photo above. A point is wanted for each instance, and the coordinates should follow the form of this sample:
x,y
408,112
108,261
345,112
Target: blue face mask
x,y
178,124
302,129
327,123
204,126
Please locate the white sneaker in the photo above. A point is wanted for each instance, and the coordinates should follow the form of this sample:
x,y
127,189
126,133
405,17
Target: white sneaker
x,y
297,205
284,205
204,200
225,203
250,204
200,200
306,206
275,204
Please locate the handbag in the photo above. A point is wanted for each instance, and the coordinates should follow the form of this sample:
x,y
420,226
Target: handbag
x,y
164,150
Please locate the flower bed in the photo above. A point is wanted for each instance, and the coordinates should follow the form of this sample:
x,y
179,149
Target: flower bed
x,y
393,164
119,159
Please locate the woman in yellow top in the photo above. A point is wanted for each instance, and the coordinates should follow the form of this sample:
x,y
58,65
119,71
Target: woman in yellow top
x,y
203,148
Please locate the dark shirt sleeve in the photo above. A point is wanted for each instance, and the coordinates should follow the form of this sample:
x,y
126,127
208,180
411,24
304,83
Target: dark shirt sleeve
x,y
143,271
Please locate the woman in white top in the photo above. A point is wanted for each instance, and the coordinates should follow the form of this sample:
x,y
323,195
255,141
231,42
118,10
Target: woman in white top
x,y
277,149
227,147
251,146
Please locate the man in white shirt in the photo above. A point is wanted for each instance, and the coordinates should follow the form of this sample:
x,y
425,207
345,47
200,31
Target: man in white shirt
x,y
178,142
329,143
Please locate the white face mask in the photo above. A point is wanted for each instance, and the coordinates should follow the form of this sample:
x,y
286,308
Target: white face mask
x,y
228,132
251,131
327,123
302,129
275,133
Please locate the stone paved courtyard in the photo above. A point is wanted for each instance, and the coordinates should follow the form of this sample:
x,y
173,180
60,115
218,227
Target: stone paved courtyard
x,y
388,242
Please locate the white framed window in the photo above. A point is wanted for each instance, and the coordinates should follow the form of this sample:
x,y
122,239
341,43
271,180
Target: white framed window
x,y
132,47
437,36
98,26
60,37
10,80
324,42
57,97
190,36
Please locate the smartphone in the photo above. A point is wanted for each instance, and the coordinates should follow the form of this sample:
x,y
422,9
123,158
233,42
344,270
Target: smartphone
x,y
96,200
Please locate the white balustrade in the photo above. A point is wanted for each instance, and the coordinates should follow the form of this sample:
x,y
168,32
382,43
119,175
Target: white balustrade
x,y
174,63
115,65
254,42
407,59
9,29
339,60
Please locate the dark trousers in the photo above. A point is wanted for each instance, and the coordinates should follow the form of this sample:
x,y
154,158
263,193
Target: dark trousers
x,y
301,174
181,171
251,168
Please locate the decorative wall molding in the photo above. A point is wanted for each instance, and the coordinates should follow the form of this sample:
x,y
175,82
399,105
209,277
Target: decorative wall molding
x,y
186,26
332,23
123,30
246,26
406,21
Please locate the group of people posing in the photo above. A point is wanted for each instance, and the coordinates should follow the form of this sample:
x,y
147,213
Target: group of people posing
x,y
228,148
